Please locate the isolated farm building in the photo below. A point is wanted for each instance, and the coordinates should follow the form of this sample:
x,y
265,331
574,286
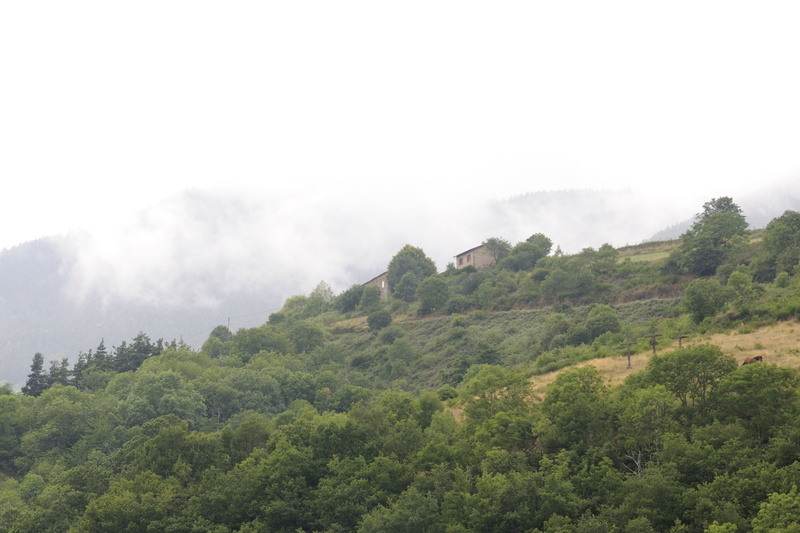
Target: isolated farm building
x,y
380,281
479,257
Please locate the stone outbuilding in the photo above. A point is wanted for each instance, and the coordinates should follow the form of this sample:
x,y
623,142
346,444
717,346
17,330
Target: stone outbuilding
x,y
479,257
382,282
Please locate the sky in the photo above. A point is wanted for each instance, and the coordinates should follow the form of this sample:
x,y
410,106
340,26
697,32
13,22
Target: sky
x,y
109,110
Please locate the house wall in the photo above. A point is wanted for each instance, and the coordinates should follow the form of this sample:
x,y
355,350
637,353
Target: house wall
x,y
478,257
381,282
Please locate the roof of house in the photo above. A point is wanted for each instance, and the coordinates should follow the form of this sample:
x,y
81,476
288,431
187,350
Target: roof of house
x,y
470,250
375,278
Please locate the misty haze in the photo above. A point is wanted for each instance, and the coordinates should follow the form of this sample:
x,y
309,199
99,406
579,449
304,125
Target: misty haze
x,y
205,258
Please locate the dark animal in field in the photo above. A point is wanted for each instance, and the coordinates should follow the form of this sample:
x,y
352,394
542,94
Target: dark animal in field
x,y
756,359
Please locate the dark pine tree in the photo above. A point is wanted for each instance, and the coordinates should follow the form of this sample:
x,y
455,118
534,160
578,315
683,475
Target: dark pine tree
x,y
37,379
59,373
101,359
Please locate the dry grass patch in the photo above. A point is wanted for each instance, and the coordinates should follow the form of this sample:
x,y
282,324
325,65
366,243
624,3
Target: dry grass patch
x,y
778,344
350,325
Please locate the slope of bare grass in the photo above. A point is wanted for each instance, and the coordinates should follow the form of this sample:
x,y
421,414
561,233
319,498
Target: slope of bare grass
x,y
778,344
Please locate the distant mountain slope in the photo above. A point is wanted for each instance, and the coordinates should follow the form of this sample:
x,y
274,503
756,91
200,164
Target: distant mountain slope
x,y
40,315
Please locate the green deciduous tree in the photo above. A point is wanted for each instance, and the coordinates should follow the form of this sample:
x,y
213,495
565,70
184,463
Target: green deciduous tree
x,y
498,248
490,389
370,299
602,319
524,255
406,288
409,259
575,410
156,394
318,301
645,416
782,242
691,374
348,300
781,512
306,336
266,338
704,298
742,291
760,397
706,245
433,294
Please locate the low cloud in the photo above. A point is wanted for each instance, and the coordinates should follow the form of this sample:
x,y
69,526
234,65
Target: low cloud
x,y
200,246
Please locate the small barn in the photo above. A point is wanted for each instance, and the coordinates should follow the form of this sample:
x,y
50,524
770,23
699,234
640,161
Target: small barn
x,y
479,257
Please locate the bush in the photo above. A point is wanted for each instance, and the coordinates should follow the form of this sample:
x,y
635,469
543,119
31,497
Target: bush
x,y
602,319
433,295
370,299
391,334
348,301
379,320
704,298
447,392
459,304
782,280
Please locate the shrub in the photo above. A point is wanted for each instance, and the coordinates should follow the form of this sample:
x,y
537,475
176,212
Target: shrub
x,y
459,304
433,295
782,280
379,320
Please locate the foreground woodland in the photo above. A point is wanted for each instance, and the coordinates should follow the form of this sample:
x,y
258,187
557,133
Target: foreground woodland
x,y
492,400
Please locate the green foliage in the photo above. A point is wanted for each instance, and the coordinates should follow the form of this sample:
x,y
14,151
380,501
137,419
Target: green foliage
x,y
782,280
573,409
408,260
433,295
781,512
567,281
406,288
152,395
313,423
37,380
525,255
602,319
646,417
704,298
267,338
306,336
742,291
497,247
379,320
370,299
348,300
712,237
759,397
782,242
691,374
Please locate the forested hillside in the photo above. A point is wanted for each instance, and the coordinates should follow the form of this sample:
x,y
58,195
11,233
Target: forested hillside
x,y
417,412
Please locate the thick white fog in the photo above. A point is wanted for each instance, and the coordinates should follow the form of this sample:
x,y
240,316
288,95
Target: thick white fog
x,y
194,247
